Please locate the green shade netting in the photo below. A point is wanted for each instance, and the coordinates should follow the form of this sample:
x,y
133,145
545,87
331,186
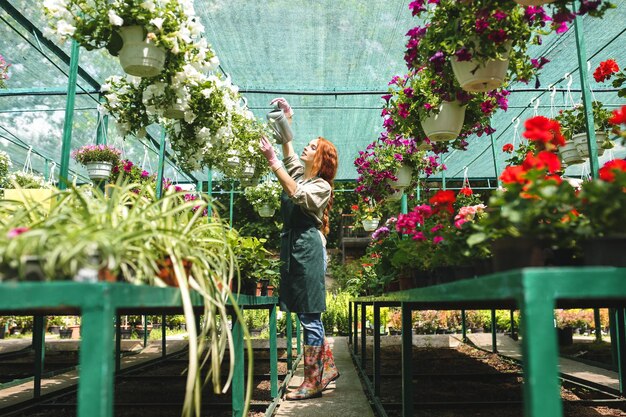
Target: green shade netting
x,y
295,49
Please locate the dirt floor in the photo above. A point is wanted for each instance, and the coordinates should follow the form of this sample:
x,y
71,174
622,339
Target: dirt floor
x,y
589,351
465,374
159,392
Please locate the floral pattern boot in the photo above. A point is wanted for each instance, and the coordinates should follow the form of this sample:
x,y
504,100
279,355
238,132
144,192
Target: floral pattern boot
x,y
329,372
311,387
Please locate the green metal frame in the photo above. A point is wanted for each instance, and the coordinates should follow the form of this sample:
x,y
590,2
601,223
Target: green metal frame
x,y
536,292
99,304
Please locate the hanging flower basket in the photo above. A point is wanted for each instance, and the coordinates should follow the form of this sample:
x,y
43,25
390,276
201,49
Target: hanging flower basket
x,y
233,161
175,111
266,211
580,139
369,225
139,56
569,154
476,77
447,124
98,170
533,2
403,176
248,171
424,147
396,195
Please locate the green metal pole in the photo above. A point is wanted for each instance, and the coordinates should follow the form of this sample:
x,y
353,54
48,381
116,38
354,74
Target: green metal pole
x,y
512,320
288,331
443,176
101,130
463,326
46,169
621,342
238,371
210,192
407,366
586,92
144,319
598,324
163,336
363,334
273,353
39,344
494,342
350,322
376,354
496,166
419,192
355,323
404,206
232,202
298,338
159,185
66,146
118,343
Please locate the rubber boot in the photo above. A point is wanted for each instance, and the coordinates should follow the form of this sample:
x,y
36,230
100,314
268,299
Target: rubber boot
x,y
329,371
312,385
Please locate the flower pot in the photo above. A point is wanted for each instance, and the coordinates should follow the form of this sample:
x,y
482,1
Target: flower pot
x,y
248,171
403,175
270,291
533,2
54,329
369,225
569,154
2,331
65,333
447,124
605,251
30,196
266,211
424,147
16,331
233,161
139,56
580,139
480,77
75,329
405,281
175,111
516,252
396,195
98,170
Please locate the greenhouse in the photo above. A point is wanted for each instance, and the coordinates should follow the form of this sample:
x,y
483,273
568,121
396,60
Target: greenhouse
x,y
295,208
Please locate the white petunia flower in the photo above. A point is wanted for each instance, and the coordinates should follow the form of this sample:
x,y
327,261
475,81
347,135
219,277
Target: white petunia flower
x,y
158,22
114,19
149,6
65,29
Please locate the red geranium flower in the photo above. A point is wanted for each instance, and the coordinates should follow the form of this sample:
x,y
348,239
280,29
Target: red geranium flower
x,y
543,160
508,148
466,191
513,174
354,207
605,70
442,200
542,129
607,172
619,117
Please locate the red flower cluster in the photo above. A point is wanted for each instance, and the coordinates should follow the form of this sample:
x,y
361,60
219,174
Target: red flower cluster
x,y
508,148
443,200
607,172
619,117
544,130
605,70
466,191
544,161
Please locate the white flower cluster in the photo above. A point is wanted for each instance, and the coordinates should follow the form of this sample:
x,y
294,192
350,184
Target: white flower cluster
x,y
26,180
266,193
5,165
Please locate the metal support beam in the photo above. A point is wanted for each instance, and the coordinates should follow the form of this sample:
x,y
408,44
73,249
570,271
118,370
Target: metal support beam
x,y
102,128
163,335
273,353
496,167
363,335
66,147
407,361
39,344
289,335
598,323
463,326
161,165
494,341
376,350
232,202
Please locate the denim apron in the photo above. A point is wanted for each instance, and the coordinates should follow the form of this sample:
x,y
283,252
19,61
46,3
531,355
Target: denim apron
x,y
302,288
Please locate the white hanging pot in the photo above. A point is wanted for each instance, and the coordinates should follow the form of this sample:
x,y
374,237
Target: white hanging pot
x,y
447,124
175,111
139,56
98,170
248,171
370,225
266,211
396,195
480,77
403,175
424,147
233,161
580,139
533,2
569,154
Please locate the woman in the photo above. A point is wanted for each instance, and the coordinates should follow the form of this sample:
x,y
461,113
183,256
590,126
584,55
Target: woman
x,y
305,203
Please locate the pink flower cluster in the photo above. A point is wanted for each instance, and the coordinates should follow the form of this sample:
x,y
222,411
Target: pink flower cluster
x,y
467,214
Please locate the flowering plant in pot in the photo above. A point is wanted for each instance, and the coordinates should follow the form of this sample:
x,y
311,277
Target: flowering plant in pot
x,y
5,165
159,28
472,35
98,159
264,197
247,131
4,72
535,202
424,104
26,180
609,69
123,99
131,173
573,126
367,213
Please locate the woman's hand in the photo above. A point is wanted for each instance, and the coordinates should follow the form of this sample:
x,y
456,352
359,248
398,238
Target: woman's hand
x,y
283,105
268,151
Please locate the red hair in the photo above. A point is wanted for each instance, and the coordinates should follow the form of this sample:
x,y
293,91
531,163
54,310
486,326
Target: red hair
x,y
325,165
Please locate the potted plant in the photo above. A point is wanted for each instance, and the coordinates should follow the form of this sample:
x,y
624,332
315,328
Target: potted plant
x,y
367,213
30,189
123,99
573,126
606,70
4,72
5,165
264,197
126,170
97,159
485,41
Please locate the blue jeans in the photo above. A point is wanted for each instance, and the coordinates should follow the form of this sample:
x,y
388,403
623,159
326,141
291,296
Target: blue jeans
x,y
313,328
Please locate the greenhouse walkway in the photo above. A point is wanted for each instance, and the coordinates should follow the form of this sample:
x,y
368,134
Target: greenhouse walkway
x,y
345,397
512,349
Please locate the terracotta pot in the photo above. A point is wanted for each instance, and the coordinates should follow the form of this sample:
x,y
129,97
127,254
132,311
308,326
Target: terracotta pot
x,y
166,271
105,275
270,290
